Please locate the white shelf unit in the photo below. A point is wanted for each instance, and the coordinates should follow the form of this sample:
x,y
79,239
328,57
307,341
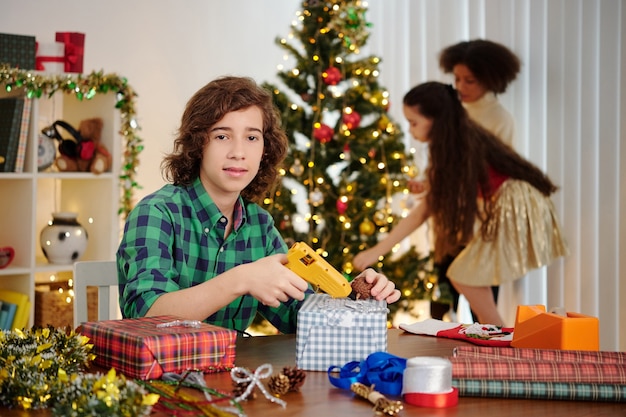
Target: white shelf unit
x,y
28,199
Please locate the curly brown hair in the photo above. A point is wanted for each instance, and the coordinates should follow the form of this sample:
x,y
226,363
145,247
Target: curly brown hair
x,y
207,107
461,154
494,65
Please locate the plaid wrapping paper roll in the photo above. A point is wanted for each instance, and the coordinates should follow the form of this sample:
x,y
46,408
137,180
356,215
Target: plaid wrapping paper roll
x,y
483,352
334,331
540,390
139,349
533,370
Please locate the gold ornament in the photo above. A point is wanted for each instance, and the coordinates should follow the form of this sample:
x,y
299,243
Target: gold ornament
x,y
316,197
380,218
367,227
297,168
383,122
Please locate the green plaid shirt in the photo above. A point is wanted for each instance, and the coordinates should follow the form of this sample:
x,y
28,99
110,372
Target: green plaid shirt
x,y
174,239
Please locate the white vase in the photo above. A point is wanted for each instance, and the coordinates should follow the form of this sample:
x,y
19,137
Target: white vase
x,y
63,240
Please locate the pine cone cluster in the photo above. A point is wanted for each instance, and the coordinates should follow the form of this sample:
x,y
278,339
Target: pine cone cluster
x,y
240,387
278,384
290,379
296,377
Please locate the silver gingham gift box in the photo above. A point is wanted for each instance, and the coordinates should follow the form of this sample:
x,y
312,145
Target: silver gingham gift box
x,y
335,331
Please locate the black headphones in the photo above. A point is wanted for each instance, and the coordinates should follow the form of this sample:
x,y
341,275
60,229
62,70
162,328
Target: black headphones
x,y
68,147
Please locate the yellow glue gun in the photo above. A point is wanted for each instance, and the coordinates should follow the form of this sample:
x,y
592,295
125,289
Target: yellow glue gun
x,y
314,269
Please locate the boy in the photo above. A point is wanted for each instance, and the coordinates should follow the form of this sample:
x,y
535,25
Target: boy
x,y
200,248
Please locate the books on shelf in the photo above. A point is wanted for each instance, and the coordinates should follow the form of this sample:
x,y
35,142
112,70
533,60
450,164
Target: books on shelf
x,y
11,109
14,121
21,313
7,315
21,146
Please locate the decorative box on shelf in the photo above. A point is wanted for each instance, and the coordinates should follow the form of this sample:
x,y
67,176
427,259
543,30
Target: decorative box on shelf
x,y
334,331
50,57
55,307
148,347
74,50
17,51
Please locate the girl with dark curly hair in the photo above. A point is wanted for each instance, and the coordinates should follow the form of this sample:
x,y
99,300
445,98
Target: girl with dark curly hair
x,y
483,69
200,248
490,208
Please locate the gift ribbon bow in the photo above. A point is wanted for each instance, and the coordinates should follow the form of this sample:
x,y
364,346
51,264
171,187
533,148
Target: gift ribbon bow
x,y
72,54
253,379
381,369
72,51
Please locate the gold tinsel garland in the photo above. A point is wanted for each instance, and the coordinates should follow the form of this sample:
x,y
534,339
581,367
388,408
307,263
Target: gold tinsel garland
x,y
45,368
85,87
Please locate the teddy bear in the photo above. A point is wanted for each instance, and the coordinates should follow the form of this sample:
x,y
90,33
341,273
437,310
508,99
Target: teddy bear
x,y
86,153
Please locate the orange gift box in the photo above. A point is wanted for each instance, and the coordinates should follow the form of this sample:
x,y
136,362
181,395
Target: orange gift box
x,y
538,329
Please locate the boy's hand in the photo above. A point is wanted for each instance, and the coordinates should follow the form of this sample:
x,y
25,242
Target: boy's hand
x,y
272,283
383,288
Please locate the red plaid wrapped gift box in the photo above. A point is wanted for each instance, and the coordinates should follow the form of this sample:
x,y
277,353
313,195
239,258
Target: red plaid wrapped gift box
x,y
74,50
139,349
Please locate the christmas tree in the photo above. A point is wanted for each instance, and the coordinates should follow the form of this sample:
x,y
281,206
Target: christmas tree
x,y
347,164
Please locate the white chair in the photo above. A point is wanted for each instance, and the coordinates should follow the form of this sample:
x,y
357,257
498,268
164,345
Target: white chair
x,y
101,274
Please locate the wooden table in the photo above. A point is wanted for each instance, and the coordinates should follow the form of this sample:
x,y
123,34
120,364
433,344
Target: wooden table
x,y
318,398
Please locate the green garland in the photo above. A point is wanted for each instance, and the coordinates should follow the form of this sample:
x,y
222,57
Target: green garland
x,y
44,367
85,87
104,395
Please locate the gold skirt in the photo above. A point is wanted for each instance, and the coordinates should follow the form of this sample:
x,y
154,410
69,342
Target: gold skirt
x,y
526,235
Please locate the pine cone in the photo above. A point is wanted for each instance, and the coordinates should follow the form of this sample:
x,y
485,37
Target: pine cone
x,y
296,377
362,288
278,384
240,387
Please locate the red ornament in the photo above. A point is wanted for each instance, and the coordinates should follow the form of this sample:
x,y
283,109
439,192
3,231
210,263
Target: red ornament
x,y
342,206
331,76
323,133
352,120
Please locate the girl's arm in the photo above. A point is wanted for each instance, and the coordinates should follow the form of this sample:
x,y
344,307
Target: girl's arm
x,y
405,227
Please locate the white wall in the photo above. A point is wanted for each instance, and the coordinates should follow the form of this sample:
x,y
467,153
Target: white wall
x,y
166,49
568,101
